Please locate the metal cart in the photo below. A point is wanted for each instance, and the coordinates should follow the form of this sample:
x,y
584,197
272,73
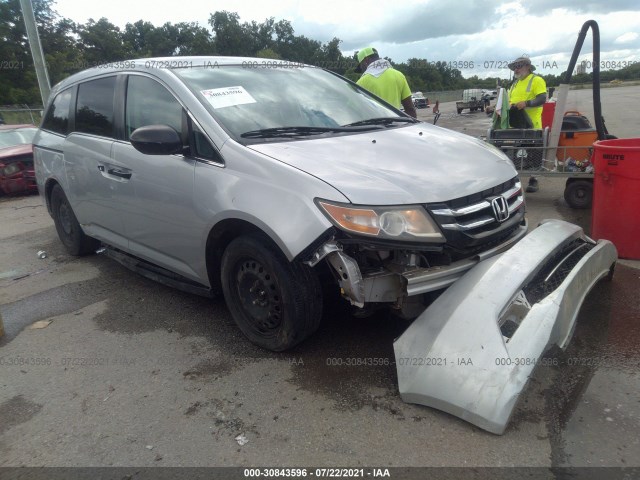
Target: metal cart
x,y
531,154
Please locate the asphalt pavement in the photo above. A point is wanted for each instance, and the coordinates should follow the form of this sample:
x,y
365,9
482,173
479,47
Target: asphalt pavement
x,y
101,367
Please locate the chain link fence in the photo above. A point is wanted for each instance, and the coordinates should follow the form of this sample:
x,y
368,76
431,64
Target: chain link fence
x,y
19,114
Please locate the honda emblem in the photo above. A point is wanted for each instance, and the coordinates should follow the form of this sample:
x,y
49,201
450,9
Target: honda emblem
x,y
500,208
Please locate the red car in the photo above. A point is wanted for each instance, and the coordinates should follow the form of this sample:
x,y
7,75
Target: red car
x,y
16,159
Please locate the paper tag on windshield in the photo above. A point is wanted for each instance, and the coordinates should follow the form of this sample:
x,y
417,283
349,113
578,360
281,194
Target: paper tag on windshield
x,y
227,96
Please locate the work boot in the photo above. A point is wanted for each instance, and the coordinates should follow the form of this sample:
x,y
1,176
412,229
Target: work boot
x,y
533,185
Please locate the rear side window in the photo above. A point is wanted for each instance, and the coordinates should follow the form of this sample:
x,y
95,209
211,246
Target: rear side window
x,y
149,103
94,107
57,117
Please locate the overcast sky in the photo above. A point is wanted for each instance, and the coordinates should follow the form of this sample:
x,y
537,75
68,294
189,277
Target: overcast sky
x,y
480,35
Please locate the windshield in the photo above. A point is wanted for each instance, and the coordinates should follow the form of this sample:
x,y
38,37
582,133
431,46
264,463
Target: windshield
x,y
253,99
17,136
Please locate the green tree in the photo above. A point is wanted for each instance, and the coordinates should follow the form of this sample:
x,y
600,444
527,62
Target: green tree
x,y
101,42
18,82
142,39
60,49
192,39
229,36
138,38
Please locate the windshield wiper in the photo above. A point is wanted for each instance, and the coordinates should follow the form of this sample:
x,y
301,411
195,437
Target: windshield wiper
x,y
297,131
382,121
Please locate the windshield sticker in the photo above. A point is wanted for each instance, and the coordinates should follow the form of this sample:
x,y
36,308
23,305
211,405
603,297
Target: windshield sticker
x,y
227,96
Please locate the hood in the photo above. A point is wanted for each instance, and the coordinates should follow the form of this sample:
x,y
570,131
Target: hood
x,y
418,163
15,151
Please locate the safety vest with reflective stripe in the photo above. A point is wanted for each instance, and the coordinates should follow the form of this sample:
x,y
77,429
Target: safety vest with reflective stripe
x,y
529,88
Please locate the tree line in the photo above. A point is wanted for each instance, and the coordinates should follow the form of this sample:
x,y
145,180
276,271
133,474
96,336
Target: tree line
x,y
70,47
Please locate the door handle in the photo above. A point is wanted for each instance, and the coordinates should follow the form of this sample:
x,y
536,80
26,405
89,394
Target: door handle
x,y
117,172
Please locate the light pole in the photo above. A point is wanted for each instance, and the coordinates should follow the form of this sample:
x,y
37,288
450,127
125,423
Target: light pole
x,y
36,49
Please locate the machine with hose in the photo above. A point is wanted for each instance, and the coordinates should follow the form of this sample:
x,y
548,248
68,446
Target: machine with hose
x,y
564,146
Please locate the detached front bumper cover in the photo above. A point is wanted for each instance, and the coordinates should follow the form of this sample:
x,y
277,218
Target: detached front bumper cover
x,y
472,351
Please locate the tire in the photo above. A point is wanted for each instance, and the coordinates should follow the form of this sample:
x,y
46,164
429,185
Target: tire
x,y
579,194
459,111
275,303
69,230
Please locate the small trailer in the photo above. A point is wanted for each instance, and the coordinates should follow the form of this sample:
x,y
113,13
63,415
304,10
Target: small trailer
x,y
472,99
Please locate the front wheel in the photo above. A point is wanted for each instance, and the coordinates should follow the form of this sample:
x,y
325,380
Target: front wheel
x,y
275,303
67,226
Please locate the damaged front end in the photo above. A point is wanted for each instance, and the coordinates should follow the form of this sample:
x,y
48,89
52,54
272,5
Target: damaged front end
x,y
509,295
472,351
398,255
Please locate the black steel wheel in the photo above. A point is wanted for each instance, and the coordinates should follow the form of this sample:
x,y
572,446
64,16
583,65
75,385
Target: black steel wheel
x,y
579,193
275,303
67,226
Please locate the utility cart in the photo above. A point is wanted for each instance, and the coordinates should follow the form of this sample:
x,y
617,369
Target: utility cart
x,y
564,147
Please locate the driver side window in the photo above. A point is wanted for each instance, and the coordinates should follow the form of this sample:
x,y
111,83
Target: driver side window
x,y
149,103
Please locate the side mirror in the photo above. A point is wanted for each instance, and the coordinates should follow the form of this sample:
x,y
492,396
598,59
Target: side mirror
x,y
156,140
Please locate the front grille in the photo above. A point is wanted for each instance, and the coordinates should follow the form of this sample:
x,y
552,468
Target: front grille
x,y
470,222
554,272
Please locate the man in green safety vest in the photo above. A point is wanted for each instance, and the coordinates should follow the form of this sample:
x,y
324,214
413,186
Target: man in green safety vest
x,y
528,93
381,79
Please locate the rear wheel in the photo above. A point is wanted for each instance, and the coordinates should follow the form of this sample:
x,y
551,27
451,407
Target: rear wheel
x,y
579,193
69,230
275,303
459,111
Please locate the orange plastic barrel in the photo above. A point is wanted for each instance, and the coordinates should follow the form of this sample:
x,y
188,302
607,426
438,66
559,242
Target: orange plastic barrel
x,y
616,194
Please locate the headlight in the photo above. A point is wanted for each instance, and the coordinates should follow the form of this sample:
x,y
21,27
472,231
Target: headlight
x,y
410,222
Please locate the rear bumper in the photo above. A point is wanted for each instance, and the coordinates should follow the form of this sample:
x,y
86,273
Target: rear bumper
x,y
473,350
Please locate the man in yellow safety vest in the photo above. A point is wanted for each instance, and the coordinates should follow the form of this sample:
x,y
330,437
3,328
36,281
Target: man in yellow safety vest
x,y
381,79
528,93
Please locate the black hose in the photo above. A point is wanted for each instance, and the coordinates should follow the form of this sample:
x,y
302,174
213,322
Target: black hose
x,y
597,105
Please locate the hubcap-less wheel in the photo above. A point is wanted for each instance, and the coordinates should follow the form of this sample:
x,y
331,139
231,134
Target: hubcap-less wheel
x,y
67,226
65,218
579,194
274,302
259,296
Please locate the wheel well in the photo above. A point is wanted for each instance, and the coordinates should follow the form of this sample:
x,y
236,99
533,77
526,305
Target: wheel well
x,y
219,237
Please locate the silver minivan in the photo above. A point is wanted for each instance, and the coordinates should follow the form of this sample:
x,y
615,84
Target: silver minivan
x,y
268,181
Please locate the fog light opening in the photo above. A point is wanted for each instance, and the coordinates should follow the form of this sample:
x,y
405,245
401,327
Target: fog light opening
x,y
511,319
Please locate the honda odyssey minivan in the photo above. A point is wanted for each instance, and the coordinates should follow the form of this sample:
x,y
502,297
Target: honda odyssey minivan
x,y
246,176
